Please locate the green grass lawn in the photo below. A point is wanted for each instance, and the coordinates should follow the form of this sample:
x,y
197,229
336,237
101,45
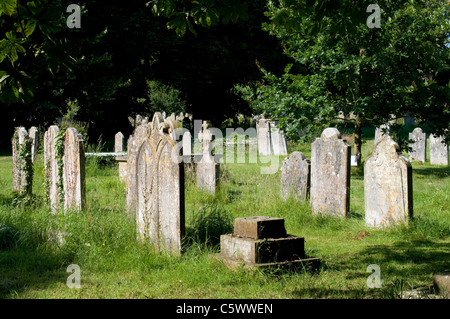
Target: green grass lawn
x,y
102,241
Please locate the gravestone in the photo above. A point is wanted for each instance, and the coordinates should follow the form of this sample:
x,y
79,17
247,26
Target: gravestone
x,y
187,143
33,134
295,177
207,169
74,177
418,145
156,177
22,164
277,139
438,150
380,131
119,143
387,186
263,137
262,241
330,174
51,167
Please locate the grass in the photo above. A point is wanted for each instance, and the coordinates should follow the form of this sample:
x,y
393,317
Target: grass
x,y
102,241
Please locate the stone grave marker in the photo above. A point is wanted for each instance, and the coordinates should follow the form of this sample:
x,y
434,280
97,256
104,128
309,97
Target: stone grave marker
x,y
262,241
22,164
330,174
74,177
119,143
387,186
33,134
295,177
438,150
418,145
207,169
263,137
156,177
51,163
277,139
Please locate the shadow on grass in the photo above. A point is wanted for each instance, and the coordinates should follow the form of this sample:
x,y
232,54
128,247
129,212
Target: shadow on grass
x,y
434,172
206,226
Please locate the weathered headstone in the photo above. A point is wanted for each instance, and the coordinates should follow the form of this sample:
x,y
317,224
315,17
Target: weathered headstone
x,y
33,134
52,163
418,145
295,176
387,186
156,179
119,142
330,174
438,150
277,139
74,178
263,137
207,168
262,241
22,164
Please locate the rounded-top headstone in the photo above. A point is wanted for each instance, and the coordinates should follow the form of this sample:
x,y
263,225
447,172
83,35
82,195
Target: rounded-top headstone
x,y
331,133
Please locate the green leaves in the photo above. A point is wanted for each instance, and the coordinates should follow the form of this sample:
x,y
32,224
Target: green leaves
x,y
184,15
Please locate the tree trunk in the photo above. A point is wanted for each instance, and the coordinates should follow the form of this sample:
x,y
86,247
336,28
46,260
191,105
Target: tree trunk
x,y
358,139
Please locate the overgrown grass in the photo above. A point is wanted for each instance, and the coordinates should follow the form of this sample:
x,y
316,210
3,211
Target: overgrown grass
x,y
36,246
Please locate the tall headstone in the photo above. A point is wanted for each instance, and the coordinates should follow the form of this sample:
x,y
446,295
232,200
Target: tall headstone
x,y
51,167
74,177
330,174
387,186
438,150
119,143
22,164
156,176
207,168
295,176
277,139
33,134
418,145
263,137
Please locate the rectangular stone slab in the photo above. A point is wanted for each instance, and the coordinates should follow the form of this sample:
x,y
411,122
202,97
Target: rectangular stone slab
x,y
269,250
260,227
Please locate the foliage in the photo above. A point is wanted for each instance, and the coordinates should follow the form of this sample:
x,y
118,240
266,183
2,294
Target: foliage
x,y
163,98
340,64
183,15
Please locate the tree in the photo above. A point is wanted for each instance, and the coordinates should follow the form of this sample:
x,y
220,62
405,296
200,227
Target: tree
x,y
340,64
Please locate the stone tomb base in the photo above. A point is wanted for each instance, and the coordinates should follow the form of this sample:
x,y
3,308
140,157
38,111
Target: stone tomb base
x,y
262,242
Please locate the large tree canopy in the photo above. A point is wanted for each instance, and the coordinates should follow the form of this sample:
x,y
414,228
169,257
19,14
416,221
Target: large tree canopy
x,y
105,66
340,64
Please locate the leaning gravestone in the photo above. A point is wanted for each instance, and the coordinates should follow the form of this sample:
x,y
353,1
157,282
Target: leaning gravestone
x,y
74,177
330,174
418,145
156,176
263,137
295,177
22,164
33,134
207,168
277,139
51,175
387,186
438,151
